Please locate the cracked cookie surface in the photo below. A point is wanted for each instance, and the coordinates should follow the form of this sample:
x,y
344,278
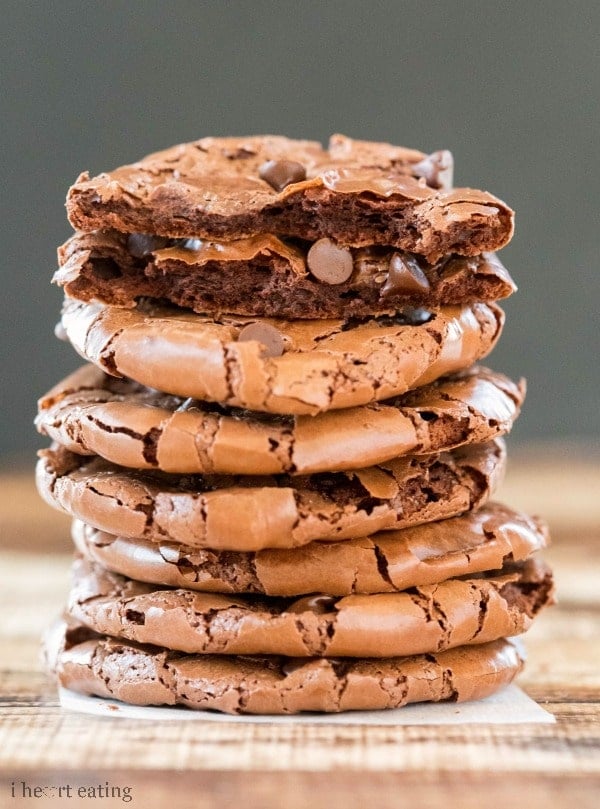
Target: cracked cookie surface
x,y
320,365
390,561
144,675
423,619
356,192
250,513
91,412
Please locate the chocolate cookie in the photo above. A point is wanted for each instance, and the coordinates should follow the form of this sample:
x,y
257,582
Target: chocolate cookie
x,y
144,675
289,367
250,513
387,562
92,413
425,619
357,194
266,277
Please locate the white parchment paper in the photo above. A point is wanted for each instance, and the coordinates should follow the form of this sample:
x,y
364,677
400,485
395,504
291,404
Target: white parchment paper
x,y
508,706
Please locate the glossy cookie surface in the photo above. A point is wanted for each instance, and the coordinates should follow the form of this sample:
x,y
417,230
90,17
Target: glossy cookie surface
x,y
298,367
146,675
128,424
390,561
249,513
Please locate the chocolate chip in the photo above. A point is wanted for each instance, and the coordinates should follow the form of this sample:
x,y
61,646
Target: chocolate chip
x,y
404,276
264,333
319,604
142,244
105,269
329,262
280,173
436,169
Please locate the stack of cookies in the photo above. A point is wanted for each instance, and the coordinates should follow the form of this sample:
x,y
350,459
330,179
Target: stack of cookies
x,y
280,454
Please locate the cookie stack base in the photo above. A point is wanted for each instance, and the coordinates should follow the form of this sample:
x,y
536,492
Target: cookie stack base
x,y
147,675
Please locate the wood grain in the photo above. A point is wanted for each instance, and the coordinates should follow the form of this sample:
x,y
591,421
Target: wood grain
x,y
213,765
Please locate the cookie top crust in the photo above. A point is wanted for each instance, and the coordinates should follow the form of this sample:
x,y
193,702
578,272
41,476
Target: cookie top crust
x,y
92,413
357,193
270,512
391,561
425,619
269,277
95,664
300,367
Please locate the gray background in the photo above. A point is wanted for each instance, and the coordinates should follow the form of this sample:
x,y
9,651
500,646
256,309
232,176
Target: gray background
x,y
511,88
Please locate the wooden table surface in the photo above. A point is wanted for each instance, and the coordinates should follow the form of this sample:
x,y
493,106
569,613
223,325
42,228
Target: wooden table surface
x,y
219,765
